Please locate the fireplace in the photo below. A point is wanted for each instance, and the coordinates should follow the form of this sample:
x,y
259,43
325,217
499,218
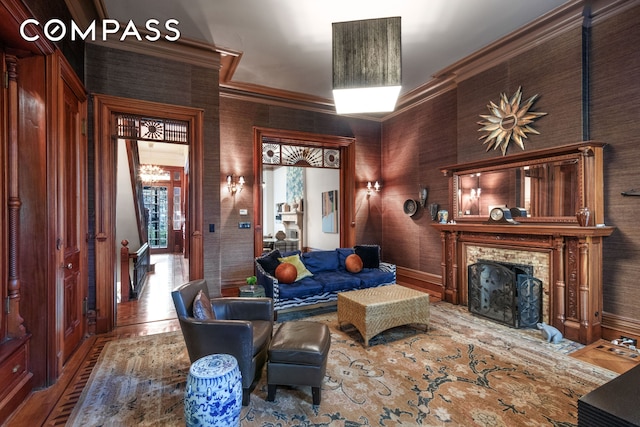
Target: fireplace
x,y
570,255
505,292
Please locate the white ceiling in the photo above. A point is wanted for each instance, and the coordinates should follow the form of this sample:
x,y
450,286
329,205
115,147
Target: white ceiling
x,y
286,44
165,154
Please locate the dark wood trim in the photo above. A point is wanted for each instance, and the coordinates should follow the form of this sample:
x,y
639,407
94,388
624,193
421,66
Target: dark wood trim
x,y
614,326
346,145
430,283
105,107
12,14
589,186
580,147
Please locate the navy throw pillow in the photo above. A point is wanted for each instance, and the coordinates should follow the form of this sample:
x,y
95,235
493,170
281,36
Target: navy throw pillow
x,y
270,262
343,253
370,255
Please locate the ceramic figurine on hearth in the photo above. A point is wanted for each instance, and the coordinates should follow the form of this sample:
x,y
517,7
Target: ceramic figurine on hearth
x,y
550,333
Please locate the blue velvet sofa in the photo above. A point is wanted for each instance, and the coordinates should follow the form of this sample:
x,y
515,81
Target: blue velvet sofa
x,y
328,275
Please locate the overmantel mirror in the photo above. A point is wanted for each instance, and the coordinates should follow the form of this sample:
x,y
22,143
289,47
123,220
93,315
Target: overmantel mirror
x,y
543,186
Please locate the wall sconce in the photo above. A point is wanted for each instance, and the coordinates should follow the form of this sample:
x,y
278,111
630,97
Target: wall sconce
x,y
370,187
366,65
234,187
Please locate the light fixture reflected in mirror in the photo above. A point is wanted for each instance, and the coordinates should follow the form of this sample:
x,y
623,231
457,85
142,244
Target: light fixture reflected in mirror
x,y
233,186
373,187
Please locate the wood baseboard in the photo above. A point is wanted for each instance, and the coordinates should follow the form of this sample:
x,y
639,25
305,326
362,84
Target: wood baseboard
x,y
430,283
614,326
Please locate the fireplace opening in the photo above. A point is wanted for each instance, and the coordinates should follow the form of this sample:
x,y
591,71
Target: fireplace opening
x,y
505,292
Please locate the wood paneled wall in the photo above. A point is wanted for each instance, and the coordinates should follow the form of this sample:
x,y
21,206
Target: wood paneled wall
x,y
35,226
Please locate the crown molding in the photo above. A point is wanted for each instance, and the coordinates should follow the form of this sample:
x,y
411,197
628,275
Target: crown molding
x,y
268,95
182,50
519,41
559,21
554,23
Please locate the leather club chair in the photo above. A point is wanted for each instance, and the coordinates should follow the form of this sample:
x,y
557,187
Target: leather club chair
x,y
242,327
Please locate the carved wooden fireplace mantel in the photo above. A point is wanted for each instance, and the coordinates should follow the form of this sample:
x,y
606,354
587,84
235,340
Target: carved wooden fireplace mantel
x,y
574,254
566,256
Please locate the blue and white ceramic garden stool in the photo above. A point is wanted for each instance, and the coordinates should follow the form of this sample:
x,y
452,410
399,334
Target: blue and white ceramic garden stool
x,y
213,395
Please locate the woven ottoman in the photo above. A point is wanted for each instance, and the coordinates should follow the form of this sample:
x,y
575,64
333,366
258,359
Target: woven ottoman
x,y
298,357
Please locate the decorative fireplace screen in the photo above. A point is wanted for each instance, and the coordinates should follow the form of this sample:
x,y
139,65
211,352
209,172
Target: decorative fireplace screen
x,y
505,292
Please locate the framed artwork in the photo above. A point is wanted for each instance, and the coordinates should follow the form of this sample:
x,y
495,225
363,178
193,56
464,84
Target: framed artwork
x,y
330,211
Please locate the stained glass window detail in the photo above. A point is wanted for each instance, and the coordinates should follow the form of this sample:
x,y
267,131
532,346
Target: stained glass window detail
x,y
300,156
270,153
151,129
276,151
331,158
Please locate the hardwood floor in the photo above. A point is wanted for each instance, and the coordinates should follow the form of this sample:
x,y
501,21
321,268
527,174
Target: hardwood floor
x,y
607,355
152,313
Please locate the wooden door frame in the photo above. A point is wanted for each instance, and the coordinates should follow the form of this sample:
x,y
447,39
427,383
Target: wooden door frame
x,y
105,108
347,148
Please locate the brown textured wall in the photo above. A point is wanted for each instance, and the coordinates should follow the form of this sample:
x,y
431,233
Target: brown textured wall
x,y
553,71
614,120
416,143
237,119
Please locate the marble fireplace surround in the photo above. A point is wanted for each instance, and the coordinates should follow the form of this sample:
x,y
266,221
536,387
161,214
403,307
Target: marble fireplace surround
x,y
567,258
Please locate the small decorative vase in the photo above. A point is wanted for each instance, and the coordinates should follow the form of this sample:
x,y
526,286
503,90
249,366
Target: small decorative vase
x,y
443,216
213,394
584,217
433,211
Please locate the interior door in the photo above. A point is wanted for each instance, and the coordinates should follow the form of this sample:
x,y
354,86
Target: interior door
x,y
71,188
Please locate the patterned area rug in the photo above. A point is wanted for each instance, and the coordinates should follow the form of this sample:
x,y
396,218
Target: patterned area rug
x,y
464,371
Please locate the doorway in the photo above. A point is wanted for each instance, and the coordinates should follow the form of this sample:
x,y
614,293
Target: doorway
x,y
106,111
327,146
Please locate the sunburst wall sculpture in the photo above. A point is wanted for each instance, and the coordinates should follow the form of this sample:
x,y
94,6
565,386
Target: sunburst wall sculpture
x,y
508,121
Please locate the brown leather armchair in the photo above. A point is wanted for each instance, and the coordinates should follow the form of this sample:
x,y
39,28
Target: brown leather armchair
x,y
242,327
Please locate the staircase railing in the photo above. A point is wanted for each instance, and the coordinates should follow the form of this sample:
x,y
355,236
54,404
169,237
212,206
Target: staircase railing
x,y
131,287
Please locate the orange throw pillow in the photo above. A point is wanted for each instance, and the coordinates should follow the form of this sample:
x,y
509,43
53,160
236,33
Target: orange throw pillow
x,y
353,263
286,273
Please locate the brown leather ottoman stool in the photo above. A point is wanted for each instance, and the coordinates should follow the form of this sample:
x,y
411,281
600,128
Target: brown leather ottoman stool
x,y
298,357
